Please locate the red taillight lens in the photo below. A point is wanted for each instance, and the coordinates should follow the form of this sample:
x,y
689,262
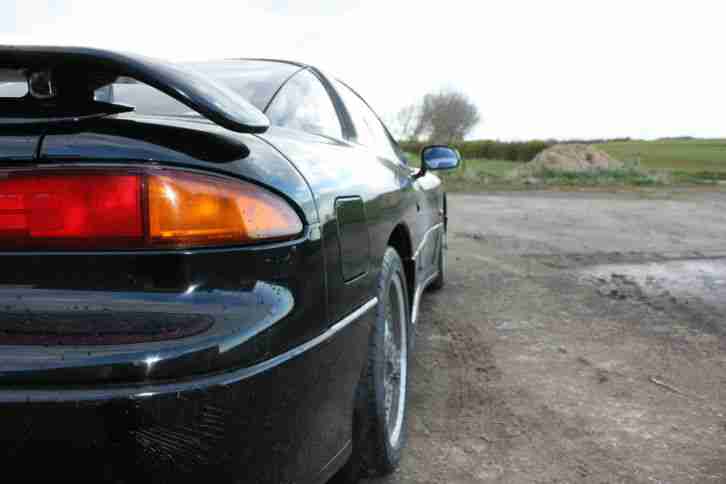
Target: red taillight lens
x,y
106,210
87,210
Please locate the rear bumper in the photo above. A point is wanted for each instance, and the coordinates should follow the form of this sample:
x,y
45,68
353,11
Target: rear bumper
x,y
141,317
285,419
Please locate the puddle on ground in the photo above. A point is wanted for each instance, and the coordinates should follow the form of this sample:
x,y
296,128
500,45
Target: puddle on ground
x,y
702,279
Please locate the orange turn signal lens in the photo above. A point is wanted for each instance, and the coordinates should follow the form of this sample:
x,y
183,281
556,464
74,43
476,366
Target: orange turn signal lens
x,y
187,209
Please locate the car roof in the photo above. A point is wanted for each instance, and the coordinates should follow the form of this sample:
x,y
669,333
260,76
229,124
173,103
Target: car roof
x,y
276,61
279,68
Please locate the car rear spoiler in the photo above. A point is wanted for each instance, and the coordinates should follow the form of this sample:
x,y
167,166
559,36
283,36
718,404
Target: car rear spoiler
x,y
62,82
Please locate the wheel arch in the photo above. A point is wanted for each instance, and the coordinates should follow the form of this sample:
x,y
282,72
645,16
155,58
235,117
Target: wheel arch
x,y
400,239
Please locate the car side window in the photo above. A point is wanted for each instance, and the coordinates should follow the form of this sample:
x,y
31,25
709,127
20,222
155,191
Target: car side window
x,y
303,103
368,128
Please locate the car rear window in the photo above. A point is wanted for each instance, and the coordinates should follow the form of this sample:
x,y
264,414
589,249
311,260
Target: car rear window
x,y
256,81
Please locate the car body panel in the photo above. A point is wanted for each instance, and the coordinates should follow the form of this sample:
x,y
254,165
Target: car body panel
x,y
288,421
20,147
336,169
239,362
149,316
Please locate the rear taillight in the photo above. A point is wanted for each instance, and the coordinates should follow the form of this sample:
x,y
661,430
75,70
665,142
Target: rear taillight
x,y
142,209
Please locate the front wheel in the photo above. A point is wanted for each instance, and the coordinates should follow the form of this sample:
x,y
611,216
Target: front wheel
x,y
384,387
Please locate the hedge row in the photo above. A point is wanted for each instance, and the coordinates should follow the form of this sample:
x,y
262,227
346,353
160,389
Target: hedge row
x,y
493,150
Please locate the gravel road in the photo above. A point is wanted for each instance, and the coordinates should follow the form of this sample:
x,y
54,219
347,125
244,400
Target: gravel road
x,y
581,338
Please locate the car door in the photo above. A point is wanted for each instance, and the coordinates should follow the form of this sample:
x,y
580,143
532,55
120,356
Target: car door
x,y
428,188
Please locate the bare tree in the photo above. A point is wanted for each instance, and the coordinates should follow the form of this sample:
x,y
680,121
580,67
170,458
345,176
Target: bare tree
x,y
405,122
446,117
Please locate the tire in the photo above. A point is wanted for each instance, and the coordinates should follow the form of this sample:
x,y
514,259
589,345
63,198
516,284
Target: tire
x,y
384,386
440,281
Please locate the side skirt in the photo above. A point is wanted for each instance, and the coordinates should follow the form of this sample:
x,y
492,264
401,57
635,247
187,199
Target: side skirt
x,y
417,296
420,288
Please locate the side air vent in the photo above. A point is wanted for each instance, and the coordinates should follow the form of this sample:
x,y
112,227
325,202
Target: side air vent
x,y
353,237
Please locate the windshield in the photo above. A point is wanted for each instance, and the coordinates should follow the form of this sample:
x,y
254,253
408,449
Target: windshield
x,y
256,81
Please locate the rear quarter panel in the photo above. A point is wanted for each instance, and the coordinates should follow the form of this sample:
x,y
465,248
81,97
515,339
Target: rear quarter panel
x,y
336,169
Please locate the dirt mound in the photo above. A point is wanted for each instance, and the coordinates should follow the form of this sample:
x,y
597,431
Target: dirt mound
x,y
574,157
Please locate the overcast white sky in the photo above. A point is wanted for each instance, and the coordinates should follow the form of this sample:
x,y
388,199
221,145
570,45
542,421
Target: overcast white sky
x,y
536,68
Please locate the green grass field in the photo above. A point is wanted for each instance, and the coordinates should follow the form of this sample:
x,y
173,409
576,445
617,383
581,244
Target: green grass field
x,y
685,156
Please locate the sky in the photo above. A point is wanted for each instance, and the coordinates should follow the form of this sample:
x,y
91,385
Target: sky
x,y
536,69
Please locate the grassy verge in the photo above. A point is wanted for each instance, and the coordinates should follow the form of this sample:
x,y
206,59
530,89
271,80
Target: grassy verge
x,y
698,177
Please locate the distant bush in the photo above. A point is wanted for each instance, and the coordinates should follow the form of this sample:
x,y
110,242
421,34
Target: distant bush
x,y
491,150
522,151
594,141
677,138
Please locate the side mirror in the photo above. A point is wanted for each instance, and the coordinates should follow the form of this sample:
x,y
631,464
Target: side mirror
x,y
439,157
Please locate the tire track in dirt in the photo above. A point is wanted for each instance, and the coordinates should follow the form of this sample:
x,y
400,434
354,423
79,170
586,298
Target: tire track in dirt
x,y
473,367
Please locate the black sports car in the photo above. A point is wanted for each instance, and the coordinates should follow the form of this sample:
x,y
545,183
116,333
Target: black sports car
x,y
206,271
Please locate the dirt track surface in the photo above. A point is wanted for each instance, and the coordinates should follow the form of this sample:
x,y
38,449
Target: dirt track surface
x,y
581,337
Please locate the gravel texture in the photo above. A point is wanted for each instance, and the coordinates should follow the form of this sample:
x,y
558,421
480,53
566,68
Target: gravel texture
x,y
581,338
